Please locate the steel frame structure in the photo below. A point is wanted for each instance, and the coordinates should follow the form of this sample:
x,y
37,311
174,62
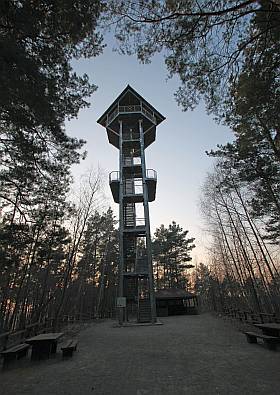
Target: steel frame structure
x,y
131,124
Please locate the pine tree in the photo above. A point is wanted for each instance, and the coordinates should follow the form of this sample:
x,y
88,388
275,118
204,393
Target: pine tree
x,y
171,252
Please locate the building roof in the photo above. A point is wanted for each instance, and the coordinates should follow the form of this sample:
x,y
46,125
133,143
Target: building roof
x,y
158,115
173,293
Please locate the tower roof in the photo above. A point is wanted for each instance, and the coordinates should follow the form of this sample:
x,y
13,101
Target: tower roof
x,y
129,93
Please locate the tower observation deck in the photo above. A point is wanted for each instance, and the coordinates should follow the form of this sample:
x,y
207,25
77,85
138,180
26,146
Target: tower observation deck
x,y
131,124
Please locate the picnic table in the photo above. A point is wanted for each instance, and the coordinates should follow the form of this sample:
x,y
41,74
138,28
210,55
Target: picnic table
x,y
270,329
44,345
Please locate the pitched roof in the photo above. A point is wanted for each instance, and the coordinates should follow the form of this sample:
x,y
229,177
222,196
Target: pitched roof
x,y
158,115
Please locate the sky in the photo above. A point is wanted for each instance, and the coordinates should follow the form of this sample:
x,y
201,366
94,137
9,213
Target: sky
x,y
178,154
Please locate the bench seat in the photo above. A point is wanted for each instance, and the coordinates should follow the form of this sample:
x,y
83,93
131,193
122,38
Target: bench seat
x,y
269,341
14,353
251,322
69,347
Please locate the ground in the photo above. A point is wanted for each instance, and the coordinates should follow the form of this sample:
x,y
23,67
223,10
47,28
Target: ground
x,y
201,354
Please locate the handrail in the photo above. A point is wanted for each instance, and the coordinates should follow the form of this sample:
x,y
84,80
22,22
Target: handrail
x,y
140,222
137,223
250,316
130,109
149,115
151,174
112,116
114,176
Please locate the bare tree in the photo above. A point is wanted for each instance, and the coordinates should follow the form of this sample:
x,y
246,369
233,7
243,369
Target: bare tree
x,y
88,202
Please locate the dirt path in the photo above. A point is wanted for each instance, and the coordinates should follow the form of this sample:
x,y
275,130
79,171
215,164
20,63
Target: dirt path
x,y
187,355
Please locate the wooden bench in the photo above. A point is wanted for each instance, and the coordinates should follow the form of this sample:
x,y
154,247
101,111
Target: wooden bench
x,y
69,347
269,341
14,353
252,321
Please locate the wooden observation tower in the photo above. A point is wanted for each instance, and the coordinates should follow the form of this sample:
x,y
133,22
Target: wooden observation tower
x,y
131,127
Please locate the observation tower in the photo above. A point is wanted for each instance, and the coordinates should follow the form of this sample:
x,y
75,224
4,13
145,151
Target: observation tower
x,y
131,123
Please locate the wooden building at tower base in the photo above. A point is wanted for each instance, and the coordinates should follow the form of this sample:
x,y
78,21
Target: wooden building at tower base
x,y
175,301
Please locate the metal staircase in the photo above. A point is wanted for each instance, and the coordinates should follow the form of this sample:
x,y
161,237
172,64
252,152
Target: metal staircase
x,y
129,215
142,265
131,289
144,302
144,310
129,188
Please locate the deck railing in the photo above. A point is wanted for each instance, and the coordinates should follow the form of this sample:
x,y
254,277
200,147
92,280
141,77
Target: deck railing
x,y
114,176
15,337
111,116
130,109
149,115
8,339
250,316
151,174
134,108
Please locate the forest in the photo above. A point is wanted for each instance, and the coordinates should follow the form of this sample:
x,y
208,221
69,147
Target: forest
x,y
59,249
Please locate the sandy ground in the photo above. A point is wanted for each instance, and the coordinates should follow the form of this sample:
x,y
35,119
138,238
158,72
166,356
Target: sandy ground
x,y
187,355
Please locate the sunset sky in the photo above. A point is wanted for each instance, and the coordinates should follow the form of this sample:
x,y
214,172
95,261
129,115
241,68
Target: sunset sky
x,y
178,154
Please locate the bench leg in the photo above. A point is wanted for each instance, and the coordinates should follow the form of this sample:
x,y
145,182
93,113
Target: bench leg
x,y
67,352
22,353
251,339
269,345
40,351
53,347
8,359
